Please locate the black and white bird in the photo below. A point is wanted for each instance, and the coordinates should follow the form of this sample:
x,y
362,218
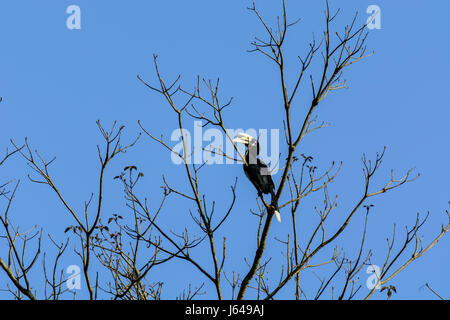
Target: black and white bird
x,y
256,170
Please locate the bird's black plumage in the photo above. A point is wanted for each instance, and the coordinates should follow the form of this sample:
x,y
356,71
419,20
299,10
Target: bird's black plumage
x,y
259,175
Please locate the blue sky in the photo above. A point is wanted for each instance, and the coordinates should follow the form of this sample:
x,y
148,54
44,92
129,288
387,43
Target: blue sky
x,y
57,82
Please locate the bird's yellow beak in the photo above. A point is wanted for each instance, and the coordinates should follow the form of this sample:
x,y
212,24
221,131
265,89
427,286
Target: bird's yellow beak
x,y
243,138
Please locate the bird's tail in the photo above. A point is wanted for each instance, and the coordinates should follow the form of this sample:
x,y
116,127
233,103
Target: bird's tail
x,y
275,205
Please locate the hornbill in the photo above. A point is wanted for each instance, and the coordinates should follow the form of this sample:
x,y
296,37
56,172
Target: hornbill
x,y
256,170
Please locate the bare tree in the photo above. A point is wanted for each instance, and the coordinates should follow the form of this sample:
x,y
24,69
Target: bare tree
x,y
17,264
128,248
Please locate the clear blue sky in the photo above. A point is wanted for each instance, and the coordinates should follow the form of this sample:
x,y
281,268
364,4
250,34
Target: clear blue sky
x,y
56,83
